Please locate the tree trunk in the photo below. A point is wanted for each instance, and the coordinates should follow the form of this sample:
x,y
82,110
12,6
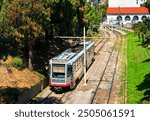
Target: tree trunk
x,y
142,38
30,66
139,36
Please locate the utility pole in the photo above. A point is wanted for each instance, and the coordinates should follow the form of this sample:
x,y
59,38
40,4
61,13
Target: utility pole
x,y
104,30
84,59
119,16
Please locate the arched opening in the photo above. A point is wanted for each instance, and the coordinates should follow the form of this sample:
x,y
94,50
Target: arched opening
x,y
119,18
143,17
135,18
127,18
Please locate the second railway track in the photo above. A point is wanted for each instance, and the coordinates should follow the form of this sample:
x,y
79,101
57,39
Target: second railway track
x,y
104,92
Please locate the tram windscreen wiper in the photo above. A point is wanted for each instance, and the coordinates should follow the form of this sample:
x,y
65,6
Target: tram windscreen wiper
x,y
54,75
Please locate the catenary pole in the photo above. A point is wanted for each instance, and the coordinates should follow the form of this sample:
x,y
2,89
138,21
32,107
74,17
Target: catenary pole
x,y
84,58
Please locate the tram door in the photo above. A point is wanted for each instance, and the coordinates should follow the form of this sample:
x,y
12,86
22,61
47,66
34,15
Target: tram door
x,y
69,74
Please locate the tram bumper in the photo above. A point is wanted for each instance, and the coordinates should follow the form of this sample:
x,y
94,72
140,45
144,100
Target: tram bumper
x,y
52,84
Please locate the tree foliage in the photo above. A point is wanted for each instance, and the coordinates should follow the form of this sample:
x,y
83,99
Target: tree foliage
x,y
143,31
147,4
25,22
1,2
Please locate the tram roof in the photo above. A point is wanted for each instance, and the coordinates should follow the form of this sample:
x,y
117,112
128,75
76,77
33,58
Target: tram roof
x,y
71,53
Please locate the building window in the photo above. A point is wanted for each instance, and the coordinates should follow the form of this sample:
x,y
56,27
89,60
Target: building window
x,y
143,17
119,18
127,18
135,18
137,1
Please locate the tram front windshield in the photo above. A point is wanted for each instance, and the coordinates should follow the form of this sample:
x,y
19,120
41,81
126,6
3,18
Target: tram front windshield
x,y
58,71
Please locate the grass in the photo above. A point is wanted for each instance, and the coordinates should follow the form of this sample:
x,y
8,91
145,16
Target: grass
x,y
122,93
138,71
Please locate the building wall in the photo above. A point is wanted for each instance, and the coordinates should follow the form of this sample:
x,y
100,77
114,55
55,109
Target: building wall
x,y
142,1
125,3
112,19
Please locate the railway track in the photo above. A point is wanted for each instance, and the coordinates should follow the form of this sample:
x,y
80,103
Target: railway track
x,y
50,97
104,90
99,44
115,70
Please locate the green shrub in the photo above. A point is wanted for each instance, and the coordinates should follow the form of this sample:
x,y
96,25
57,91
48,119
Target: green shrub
x,y
18,63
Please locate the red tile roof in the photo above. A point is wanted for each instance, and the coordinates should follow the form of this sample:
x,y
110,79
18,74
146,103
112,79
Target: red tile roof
x,y
128,10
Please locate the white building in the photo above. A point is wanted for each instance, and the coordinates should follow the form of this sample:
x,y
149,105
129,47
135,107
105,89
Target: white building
x,y
125,3
126,12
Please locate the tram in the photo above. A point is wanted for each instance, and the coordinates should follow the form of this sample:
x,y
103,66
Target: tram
x,y
66,68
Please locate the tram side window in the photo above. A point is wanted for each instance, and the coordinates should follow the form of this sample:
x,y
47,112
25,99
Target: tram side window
x,y
74,70
69,72
88,52
91,50
49,70
78,63
82,60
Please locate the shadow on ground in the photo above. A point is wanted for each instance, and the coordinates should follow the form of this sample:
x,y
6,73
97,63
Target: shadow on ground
x,y
145,86
50,99
47,100
146,61
9,95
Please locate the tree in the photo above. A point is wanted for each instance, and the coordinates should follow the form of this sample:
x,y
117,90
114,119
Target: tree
x,y
25,19
147,4
94,15
1,2
143,29
24,22
146,23
136,29
62,17
67,16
